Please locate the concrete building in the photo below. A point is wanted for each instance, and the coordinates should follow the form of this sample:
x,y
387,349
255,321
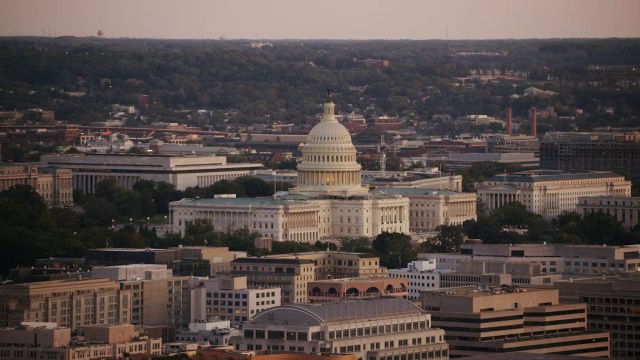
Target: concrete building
x,y
614,307
224,354
54,185
466,160
70,304
229,298
625,209
420,275
98,342
619,152
372,329
292,272
553,259
337,290
127,169
429,208
507,319
413,179
217,333
157,297
549,193
329,200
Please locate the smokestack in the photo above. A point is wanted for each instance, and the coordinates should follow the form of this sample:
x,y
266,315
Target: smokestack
x,y
508,121
534,123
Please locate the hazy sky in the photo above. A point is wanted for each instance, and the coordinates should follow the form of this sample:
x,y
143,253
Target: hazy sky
x,y
324,19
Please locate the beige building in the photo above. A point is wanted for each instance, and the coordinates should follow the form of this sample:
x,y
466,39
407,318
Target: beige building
x,y
430,208
337,290
229,298
70,304
292,272
375,329
329,201
548,192
219,258
625,209
614,307
52,343
157,297
552,259
508,319
128,169
54,185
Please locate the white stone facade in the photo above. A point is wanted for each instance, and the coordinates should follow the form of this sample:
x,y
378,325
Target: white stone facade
x,y
625,209
550,193
180,171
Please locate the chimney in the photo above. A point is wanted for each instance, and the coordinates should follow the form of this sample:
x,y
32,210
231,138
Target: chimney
x,y
534,123
508,121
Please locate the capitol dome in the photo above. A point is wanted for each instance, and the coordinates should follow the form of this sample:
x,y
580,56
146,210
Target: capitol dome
x,y
329,164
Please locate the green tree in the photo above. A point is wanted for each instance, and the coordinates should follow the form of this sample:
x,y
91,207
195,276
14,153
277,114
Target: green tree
x,y
600,228
395,249
448,240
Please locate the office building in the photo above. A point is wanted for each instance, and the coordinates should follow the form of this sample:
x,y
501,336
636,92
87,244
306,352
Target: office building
x,y
430,208
229,298
506,319
553,259
337,290
157,297
329,200
128,169
549,193
626,210
619,152
374,329
54,185
614,306
70,304
41,341
292,272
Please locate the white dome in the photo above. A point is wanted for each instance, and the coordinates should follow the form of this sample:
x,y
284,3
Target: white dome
x,y
329,132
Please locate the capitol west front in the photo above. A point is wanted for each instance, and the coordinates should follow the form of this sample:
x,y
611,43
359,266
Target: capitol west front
x,y
329,201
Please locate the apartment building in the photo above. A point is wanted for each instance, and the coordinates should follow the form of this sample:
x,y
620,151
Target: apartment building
x,y
374,329
553,259
549,193
626,210
229,298
42,341
614,306
507,319
157,297
70,304
54,185
292,272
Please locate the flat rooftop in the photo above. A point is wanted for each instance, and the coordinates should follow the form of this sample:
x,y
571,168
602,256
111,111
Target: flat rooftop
x,y
473,291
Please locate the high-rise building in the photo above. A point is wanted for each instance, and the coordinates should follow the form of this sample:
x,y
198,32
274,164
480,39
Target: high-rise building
x,y
375,329
70,304
507,319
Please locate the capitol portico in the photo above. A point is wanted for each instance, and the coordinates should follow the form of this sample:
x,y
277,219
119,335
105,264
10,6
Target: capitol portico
x,y
329,201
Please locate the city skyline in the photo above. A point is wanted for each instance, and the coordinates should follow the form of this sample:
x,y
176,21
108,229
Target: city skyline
x,y
328,19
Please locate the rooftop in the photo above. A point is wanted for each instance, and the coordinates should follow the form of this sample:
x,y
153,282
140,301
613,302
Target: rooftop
x,y
551,175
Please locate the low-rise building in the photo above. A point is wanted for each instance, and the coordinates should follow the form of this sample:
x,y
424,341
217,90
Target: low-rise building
x,y
614,307
54,185
292,272
53,343
229,298
70,304
507,319
625,209
356,288
550,193
157,297
372,329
